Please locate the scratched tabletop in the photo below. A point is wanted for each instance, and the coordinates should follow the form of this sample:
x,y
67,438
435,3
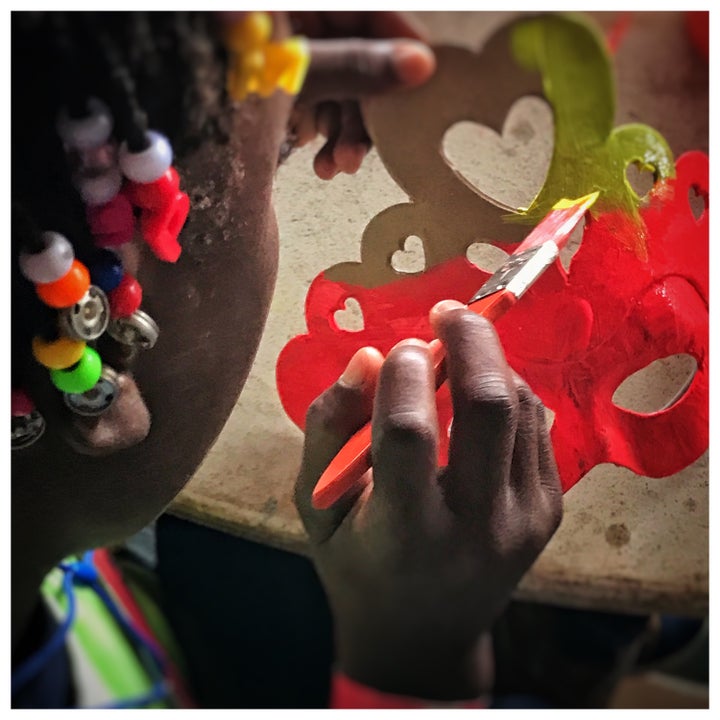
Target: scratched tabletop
x,y
626,543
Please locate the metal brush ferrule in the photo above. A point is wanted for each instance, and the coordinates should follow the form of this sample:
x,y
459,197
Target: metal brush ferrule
x,y
520,271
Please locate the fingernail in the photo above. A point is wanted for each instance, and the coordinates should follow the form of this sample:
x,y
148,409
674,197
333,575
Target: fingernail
x,y
414,62
354,374
411,342
445,305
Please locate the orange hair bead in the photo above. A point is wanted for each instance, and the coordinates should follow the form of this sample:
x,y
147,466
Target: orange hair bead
x,y
66,291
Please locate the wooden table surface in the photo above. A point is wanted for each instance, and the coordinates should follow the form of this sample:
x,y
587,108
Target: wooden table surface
x,y
627,543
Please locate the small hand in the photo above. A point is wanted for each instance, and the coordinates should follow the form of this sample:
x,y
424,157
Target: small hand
x,y
419,561
344,68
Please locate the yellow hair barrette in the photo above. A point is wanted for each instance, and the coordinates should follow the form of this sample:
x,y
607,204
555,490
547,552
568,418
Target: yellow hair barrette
x,y
258,65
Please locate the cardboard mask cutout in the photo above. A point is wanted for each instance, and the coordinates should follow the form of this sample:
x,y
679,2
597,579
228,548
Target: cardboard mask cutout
x,y
636,290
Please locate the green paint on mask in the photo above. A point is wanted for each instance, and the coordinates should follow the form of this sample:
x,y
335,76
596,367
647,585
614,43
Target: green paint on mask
x,y
588,154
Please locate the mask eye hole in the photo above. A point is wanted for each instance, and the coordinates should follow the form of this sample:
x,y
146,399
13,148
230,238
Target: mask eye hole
x,y
698,201
641,178
350,317
657,386
486,257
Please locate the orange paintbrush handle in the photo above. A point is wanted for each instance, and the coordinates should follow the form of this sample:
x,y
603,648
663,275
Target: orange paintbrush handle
x,y
355,458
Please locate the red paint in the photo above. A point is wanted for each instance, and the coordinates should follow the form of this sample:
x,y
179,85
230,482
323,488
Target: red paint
x,y
354,459
575,336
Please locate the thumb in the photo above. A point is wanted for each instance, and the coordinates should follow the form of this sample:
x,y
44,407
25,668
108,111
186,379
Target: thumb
x,y
352,69
331,420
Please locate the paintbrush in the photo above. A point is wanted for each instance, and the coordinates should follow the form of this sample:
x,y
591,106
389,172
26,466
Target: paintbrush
x,y
503,289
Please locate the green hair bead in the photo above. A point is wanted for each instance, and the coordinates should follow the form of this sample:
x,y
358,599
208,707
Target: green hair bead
x,y
82,376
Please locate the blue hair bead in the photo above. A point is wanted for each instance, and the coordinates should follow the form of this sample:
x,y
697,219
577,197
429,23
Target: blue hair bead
x,y
106,270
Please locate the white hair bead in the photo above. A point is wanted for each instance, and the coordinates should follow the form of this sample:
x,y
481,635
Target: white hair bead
x,y
50,264
87,132
150,164
98,188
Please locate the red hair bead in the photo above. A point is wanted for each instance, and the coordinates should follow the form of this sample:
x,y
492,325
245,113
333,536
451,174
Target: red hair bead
x,y
21,404
66,291
156,194
27,425
113,223
160,228
126,298
165,208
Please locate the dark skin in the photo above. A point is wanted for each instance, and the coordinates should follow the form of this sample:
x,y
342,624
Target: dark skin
x,y
122,473
438,551
89,484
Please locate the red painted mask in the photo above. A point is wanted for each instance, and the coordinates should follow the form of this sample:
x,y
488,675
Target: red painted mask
x,y
574,337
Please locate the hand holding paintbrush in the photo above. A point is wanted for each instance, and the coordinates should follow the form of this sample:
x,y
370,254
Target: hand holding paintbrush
x,y
532,257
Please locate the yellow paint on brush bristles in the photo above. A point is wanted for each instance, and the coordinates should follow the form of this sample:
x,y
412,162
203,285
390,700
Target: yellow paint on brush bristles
x,y
588,200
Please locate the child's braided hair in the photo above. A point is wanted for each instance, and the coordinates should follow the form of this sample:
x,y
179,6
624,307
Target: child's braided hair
x,y
152,69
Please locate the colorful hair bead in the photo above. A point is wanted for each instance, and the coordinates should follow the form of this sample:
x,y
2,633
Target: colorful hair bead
x,y
102,157
111,224
86,132
27,425
257,65
149,164
160,228
57,354
52,263
165,210
68,289
126,298
97,187
82,376
154,195
106,270
20,403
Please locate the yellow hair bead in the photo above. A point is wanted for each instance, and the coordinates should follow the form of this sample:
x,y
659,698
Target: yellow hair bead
x,y
57,354
252,31
258,66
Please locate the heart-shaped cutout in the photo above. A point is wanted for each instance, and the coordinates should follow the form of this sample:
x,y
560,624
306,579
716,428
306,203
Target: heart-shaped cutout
x,y
350,317
487,257
411,258
508,169
641,178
